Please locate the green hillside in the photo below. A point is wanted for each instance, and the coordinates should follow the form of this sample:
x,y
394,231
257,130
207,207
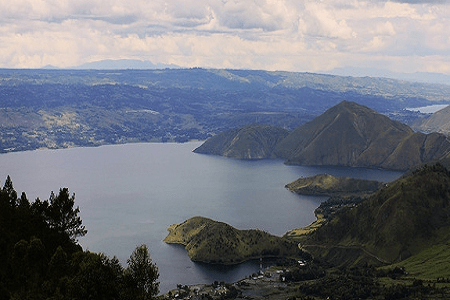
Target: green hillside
x,y
216,242
402,220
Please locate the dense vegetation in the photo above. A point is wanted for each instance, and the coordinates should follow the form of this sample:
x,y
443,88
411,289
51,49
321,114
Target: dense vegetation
x,y
216,242
363,282
40,257
401,220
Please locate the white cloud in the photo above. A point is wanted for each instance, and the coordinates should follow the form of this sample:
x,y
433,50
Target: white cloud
x,y
305,35
318,19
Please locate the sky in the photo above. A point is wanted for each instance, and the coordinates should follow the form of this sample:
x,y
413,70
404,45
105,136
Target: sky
x,y
291,35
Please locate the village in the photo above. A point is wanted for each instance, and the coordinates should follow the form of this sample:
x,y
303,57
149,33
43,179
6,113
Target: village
x,y
257,285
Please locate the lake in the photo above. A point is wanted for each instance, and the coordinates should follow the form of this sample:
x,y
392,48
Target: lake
x,y
129,194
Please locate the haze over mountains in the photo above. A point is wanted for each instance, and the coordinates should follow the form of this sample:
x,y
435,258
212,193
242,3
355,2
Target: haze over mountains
x,y
123,64
136,64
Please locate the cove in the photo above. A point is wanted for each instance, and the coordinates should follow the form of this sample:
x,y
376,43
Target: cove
x,y
129,194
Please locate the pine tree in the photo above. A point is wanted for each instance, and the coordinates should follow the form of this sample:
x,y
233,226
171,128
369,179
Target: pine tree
x,y
61,215
142,274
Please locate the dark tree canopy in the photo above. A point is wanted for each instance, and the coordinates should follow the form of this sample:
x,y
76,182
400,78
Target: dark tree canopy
x,y
62,216
143,273
40,257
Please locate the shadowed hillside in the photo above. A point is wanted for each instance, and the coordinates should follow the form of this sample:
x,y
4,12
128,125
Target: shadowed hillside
x,y
347,134
250,142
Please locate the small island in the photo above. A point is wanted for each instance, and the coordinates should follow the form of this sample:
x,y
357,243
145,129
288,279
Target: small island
x,y
215,242
329,185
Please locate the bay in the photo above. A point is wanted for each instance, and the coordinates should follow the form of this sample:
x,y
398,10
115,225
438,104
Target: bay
x,y
129,194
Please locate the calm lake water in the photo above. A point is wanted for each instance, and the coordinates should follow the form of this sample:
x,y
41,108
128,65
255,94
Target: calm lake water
x,y
129,194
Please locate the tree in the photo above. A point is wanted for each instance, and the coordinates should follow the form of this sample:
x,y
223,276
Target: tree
x,y
141,274
10,191
95,277
61,215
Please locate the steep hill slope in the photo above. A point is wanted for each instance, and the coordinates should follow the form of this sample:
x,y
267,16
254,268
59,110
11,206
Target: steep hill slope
x,y
349,134
437,122
216,242
401,220
250,142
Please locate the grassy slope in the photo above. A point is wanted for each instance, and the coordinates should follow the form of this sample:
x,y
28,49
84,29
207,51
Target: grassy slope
x,y
216,242
429,264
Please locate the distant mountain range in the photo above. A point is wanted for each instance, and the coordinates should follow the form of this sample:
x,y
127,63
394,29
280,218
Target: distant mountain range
x,y
425,77
137,64
123,64
347,134
56,108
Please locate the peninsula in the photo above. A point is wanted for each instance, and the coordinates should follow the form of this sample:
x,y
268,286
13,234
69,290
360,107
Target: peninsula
x,y
215,242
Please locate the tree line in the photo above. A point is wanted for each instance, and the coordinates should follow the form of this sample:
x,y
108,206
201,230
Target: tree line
x,y
40,257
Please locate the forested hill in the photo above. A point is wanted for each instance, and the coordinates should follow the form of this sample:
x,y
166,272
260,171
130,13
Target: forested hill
x,y
67,108
210,241
405,219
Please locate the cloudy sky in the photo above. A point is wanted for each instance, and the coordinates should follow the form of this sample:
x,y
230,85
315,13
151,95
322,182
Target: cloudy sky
x,y
292,35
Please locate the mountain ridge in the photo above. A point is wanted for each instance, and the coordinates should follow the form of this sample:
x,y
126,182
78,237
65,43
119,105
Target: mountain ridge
x,y
347,134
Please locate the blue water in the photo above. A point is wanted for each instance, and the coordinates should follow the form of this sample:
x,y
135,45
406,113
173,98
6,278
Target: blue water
x,y
129,194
